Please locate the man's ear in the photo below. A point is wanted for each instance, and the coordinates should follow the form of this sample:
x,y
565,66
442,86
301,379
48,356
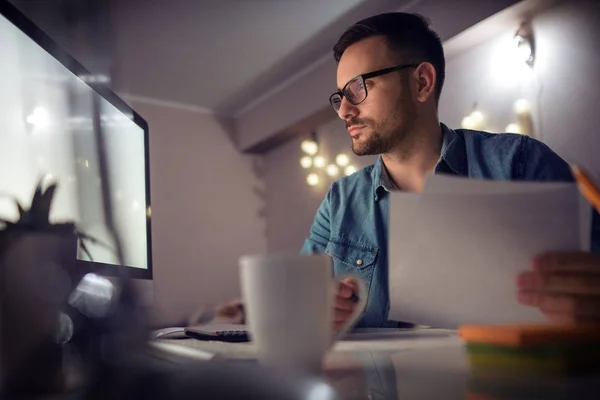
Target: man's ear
x,y
426,79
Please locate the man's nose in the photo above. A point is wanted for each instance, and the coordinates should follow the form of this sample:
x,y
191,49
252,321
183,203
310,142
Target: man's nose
x,y
347,110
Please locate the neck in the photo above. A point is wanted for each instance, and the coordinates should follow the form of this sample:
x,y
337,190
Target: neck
x,y
409,164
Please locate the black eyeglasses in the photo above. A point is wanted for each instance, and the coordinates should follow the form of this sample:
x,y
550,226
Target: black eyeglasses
x,y
355,90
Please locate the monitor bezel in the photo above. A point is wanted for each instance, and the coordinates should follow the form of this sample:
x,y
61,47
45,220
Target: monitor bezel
x,y
35,33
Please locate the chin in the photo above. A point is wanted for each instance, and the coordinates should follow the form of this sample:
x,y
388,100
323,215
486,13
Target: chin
x,y
362,150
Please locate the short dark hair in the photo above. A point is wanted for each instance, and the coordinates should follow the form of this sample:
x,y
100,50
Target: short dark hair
x,y
408,35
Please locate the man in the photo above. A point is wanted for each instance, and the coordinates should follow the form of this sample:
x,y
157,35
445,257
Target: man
x,y
390,76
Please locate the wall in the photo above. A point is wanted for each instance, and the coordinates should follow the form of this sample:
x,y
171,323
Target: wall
x,y
562,91
561,87
205,210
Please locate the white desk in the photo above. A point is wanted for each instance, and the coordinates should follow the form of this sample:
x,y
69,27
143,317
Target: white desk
x,y
417,364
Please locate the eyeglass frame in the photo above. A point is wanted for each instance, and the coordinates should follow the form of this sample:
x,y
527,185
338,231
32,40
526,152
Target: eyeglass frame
x,y
364,77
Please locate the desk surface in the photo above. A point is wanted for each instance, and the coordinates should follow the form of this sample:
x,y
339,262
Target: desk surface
x,y
415,364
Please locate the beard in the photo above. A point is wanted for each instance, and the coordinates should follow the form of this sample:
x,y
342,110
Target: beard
x,y
393,132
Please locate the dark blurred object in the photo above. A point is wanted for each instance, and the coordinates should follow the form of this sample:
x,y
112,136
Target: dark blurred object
x,y
83,336
37,268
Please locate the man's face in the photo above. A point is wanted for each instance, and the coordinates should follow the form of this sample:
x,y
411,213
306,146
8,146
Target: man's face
x,y
387,116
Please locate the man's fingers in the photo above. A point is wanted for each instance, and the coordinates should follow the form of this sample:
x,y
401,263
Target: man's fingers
x,y
347,288
345,304
351,282
571,319
561,304
338,326
560,282
568,261
342,315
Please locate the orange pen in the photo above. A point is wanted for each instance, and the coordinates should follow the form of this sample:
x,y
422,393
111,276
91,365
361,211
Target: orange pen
x,y
587,187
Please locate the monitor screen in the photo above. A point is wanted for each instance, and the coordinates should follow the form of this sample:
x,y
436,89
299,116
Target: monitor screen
x,y
49,109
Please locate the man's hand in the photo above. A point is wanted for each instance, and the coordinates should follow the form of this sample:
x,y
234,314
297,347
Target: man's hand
x,y
564,286
345,303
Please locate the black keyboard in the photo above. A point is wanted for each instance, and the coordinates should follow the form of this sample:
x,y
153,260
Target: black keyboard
x,y
221,336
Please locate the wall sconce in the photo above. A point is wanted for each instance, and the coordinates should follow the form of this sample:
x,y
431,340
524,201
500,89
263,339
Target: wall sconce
x,y
525,122
513,128
474,120
522,107
525,44
317,164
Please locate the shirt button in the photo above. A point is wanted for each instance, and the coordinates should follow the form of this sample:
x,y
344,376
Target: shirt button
x,y
359,262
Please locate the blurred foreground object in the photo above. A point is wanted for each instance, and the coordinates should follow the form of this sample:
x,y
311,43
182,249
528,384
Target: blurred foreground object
x,y
63,332
587,187
533,348
37,268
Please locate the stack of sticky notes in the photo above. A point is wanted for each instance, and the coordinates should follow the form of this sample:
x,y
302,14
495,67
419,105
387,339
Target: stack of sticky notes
x,y
533,347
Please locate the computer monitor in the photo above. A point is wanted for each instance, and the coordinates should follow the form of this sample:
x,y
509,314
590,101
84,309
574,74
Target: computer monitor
x,y
50,112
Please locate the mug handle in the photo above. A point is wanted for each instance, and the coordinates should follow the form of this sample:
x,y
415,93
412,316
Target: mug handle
x,y
360,306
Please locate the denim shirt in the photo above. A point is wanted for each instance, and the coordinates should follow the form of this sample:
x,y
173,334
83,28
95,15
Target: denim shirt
x,y
351,224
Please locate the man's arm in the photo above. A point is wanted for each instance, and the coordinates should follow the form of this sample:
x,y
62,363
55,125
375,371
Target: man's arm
x,y
320,229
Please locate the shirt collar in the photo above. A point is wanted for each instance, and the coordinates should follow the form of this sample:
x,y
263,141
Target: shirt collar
x,y
452,159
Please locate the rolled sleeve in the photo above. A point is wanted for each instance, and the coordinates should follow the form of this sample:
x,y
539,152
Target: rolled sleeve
x,y
320,229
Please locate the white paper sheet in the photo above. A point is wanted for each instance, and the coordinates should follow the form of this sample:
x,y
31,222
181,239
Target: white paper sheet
x,y
456,249
447,184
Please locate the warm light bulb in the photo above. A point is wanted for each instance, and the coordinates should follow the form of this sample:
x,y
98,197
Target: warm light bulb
x,y
148,212
342,160
306,162
507,66
349,170
522,107
513,128
40,118
477,117
312,179
310,147
332,170
468,123
319,162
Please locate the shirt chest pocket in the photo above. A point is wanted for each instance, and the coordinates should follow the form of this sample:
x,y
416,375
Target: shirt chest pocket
x,y
353,258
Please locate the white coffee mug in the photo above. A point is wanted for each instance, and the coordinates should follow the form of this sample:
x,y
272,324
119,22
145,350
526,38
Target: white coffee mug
x,y
289,302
